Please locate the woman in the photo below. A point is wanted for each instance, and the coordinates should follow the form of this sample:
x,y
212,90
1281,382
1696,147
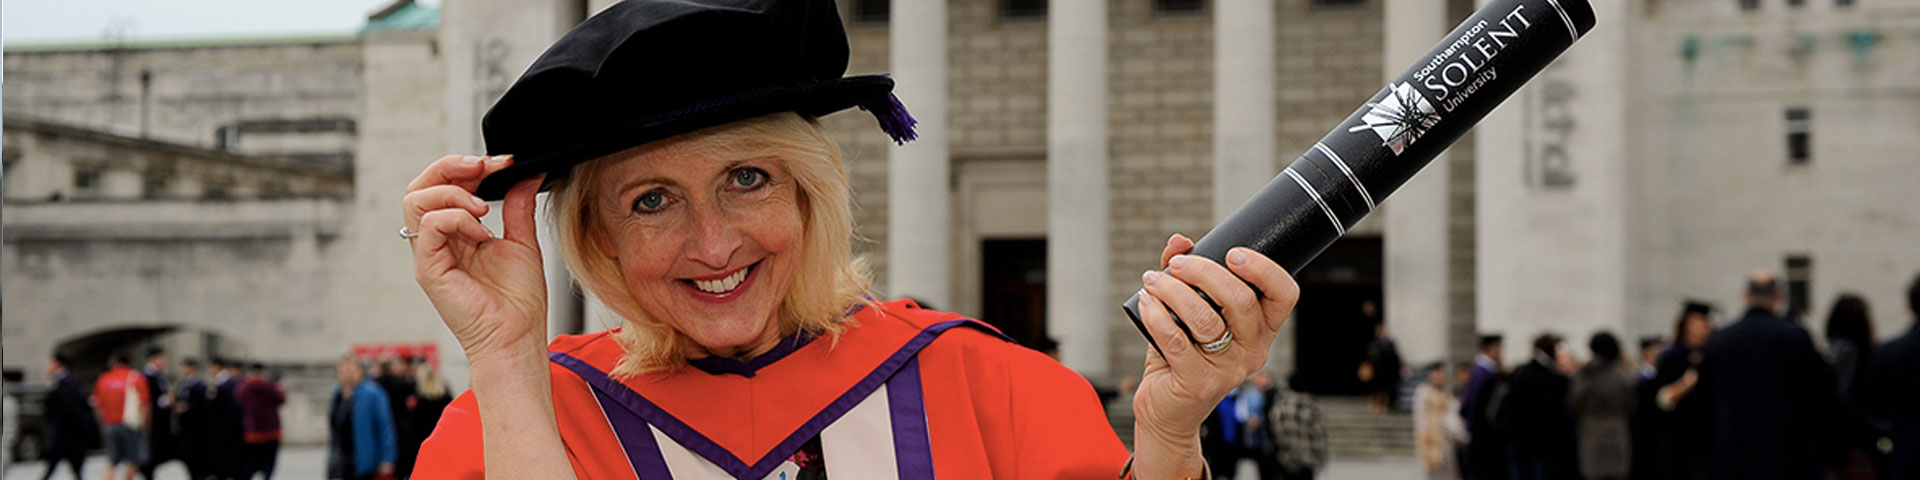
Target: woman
x,y
1850,350
1684,422
1601,403
360,425
429,400
695,195
1435,425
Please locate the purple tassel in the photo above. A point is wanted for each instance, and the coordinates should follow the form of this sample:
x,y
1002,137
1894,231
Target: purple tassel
x,y
893,118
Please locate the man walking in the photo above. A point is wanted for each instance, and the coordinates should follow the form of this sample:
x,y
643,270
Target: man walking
x,y
1893,397
122,396
160,436
194,406
1486,457
261,399
70,422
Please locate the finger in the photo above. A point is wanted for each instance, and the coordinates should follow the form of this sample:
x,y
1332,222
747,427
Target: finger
x,y
441,228
1205,324
1175,348
464,171
1279,293
437,197
518,209
1238,303
1176,244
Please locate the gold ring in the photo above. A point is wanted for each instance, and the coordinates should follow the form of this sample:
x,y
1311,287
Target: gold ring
x,y
1218,346
407,234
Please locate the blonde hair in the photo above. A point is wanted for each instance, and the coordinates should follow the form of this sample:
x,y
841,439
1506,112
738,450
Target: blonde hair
x,y
828,278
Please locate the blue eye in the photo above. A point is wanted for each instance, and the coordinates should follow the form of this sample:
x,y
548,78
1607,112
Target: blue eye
x,y
749,178
650,202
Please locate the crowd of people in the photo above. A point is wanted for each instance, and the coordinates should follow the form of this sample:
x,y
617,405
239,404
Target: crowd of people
x,y
223,421
1277,427
1755,399
375,423
223,424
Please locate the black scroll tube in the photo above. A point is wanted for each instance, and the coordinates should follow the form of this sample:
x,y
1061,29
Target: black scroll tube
x,y
1402,128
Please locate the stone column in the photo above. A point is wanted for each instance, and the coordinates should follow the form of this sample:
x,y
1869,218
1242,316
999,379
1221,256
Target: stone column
x,y
1552,199
1079,307
1415,242
1244,116
919,212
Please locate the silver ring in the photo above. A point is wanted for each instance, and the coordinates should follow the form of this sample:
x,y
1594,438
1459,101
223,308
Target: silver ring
x,y
1220,345
406,234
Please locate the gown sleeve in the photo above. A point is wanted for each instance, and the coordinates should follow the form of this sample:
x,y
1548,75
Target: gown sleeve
x,y
454,449
1063,430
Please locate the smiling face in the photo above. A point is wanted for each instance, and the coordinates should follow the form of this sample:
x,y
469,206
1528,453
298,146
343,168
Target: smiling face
x,y
706,237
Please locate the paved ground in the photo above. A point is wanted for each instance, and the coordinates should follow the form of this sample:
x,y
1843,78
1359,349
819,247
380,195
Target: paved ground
x,y
302,463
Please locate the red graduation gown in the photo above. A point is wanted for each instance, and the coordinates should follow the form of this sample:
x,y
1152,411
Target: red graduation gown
x,y
905,393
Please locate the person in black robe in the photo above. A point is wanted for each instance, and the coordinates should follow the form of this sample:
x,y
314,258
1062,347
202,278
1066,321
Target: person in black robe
x,y
1486,449
194,407
160,434
1892,395
1535,416
396,378
71,426
1774,400
228,422
1681,424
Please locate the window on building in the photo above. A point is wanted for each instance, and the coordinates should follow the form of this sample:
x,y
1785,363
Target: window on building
x,y
1749,5
1799,284
153,186
1843,3
1796,3
1023,8
872,11
86,181
1799,136
1179,6
1337,3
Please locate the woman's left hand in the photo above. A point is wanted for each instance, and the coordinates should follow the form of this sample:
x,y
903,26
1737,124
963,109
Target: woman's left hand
x,y
1183,384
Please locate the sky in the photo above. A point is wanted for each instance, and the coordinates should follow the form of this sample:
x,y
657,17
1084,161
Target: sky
x,y
43,21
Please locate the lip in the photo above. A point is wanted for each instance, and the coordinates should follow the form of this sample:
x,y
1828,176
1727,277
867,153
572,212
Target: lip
x,y
745,283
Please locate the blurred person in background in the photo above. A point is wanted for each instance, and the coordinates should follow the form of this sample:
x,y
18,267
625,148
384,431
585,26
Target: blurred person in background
x,y
228,421
1382,369
1486,448
430,398
396,379
1683,425
1645,421
1534,414
1436,425
1774,402
1221,436
1255,402
1299,432
122,397
1850,351
1602,404
161,443
193,407
360,430
70,421
1647,366
260,398
1892,395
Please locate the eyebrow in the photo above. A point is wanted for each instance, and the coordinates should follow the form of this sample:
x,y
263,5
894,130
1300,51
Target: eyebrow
x,y
730,166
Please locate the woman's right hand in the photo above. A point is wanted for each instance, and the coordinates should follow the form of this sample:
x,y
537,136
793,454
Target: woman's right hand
x,y
490,291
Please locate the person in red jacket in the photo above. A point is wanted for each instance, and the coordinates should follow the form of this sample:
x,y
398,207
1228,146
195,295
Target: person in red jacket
x,y
697,195
122,397
260,400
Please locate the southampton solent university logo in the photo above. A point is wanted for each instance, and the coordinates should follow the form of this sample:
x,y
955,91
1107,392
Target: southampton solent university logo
x,y
1399,118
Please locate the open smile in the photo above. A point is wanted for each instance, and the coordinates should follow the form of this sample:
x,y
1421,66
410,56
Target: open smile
x,y
723,287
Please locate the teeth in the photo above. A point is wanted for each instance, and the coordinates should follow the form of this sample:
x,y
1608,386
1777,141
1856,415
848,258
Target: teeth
x,y
723,285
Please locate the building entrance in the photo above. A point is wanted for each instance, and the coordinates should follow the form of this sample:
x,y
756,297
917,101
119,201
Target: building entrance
x,y
1330,333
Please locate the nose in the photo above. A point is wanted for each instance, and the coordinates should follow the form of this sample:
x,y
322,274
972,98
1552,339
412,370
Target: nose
x,y
714,237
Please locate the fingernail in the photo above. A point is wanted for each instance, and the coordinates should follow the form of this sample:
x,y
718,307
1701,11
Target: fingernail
x,y
1177,261
470,159
1150,276
495,161
476,201
1237,256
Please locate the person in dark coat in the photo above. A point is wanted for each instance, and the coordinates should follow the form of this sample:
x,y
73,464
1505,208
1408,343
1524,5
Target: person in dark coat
x,y
1850,351
71,426
260,399
1382,363
396,379
1486,457
193,405
431,398
1682,425
1892,395
160,434
1773,397
228,421
1535,416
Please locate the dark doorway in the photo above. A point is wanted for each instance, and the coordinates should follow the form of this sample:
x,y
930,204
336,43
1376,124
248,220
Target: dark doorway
x,y
1013,289
1331,335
